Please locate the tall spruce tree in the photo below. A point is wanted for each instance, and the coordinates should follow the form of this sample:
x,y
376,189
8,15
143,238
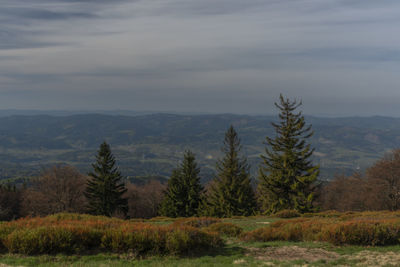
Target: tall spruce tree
x,y
183,193
287,175
105,188
231,193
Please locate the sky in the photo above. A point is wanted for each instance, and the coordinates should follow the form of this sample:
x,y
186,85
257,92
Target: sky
x,y
340,57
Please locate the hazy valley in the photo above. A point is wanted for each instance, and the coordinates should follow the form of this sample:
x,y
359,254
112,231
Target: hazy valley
x,y
151,145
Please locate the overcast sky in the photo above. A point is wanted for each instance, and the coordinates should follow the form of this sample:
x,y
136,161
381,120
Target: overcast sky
x,y
341,57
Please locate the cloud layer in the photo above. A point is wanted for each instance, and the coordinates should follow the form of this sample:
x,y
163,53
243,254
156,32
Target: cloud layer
x,y
340,56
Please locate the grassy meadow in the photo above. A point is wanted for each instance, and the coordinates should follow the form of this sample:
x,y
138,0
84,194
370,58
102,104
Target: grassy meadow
x,y
287,239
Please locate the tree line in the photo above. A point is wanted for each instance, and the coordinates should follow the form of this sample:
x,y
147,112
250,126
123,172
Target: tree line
x,y
287,179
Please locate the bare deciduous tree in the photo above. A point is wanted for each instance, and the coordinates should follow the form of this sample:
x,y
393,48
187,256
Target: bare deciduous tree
x,y
383,179
58,189
378,190
144,200
344,193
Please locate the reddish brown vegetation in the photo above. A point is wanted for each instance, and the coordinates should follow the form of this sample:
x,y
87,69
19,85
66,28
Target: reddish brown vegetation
x,y
379,189
144,201
196,221
59,189
73,233
383,182
369,228
287,214
225,229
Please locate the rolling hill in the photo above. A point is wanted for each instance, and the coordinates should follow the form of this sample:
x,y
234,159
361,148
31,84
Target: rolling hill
x,y
151,145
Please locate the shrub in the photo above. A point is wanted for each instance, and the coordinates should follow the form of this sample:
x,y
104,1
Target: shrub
x,y
354,231
238,217
264,234
76,234
189,239
76,217
161,219
137,220
324,214
287,214
145,241
362,233
227,229
5,230
178,241
160,240
114,240
50,240
196,221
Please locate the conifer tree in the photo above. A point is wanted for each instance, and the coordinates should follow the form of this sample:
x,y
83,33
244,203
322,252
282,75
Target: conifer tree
x,y
287,175
231,193
105,188
173,202
183,194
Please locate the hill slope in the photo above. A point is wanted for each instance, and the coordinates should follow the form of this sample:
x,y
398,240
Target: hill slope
x,y
151,145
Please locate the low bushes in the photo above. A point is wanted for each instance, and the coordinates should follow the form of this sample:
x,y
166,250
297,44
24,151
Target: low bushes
x,y
226,229
355,231
161,219
287,214
211,225
50,240
160,240
187,239
196,221
352,215
324,214
76,234
374,233
73,233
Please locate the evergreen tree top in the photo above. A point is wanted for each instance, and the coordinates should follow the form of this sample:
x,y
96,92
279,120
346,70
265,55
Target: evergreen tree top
x,y
105,162
231,162
291,130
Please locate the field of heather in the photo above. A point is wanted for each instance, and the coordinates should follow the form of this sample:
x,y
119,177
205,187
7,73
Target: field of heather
x,y
287,239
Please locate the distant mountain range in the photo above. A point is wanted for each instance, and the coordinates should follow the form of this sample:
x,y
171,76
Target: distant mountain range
x,y
151,145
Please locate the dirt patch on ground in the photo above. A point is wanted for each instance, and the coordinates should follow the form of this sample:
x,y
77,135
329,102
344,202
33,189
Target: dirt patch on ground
x,y
291,253
372,258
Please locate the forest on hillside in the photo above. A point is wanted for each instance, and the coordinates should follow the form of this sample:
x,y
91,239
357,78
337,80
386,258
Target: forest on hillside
x,y
150,146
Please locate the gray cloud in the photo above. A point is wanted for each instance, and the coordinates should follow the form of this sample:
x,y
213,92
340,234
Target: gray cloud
x,y
28,24
21,39
339,56
41,14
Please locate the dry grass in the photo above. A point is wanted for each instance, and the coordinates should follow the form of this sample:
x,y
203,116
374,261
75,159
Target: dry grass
x,y
373,258
290,253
